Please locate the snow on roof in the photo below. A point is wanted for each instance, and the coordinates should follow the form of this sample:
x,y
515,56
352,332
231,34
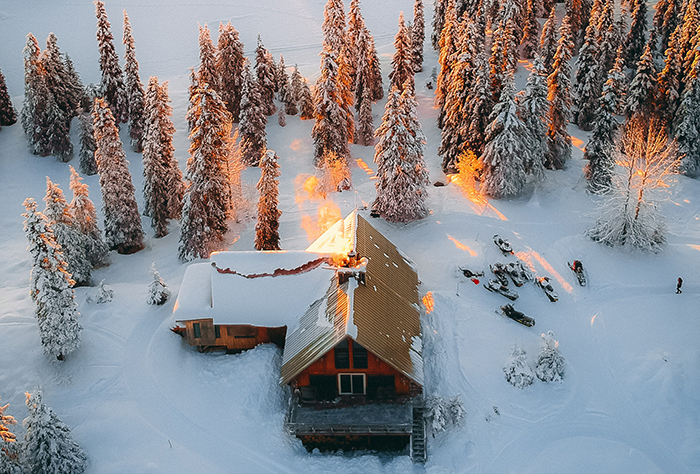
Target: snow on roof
x,y
221,290
340,238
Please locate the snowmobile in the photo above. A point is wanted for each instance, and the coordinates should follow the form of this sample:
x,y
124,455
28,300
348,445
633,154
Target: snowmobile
x,y
512,313
499,270
546,285
503,245
498,287
518,273
577,268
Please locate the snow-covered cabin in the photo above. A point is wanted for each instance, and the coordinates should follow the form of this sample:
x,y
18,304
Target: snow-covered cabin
x,y
346,312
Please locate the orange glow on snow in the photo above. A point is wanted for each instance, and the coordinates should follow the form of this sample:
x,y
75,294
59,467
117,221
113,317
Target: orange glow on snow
x,y
693,246
429,302
327,215
361,163
528,257
296,144
593,319
461,246
577,142
479,203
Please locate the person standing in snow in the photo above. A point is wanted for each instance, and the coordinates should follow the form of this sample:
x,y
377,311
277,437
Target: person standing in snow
x,y
678,286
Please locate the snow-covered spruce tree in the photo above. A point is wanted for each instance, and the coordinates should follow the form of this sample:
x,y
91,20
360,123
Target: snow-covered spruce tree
x,y
112,88
49,447
85,221
10,449
531,32
504,47
402,62
104,294
550,363
267,227
441,7
629,218
618,80
8,116
330,130
636,38
281,77
51,287
447,58
558,95
207,200
356,23
33,97
532,110
402,175
600,168
377,85
641,91
687,126
518,372
669,80
306,102
72,241
506,148
158,291
608,37
229,65
87,144
364,133
286,94
163,187
75,85
207,72
587,88
191,91
134,89
548,41
252,120
418,35
689,40
122,221
266,78
65,92
666,20
480,105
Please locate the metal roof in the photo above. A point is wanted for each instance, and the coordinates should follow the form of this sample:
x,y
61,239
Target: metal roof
x,y
382,314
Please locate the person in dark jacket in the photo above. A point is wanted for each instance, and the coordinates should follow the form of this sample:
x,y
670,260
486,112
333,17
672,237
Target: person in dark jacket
x,y
678,286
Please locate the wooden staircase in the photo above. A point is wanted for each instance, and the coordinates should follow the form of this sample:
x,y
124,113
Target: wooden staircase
x,y
419,452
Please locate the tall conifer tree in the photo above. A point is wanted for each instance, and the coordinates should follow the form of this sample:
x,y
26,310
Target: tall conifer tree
x,y
207,72
448,49
85,220
266,229
229,64
121,215
134,89
8,116
207,200
531,32
253,120
532,110
266,75
402,62
418,35
587,89
112,84
636,38
641,91
548,41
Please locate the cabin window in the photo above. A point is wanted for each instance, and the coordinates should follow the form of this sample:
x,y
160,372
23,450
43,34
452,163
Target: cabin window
x,y
351,384
359,356
217,331
342,355
197,330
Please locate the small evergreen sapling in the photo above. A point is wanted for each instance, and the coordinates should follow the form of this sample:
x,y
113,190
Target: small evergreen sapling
x,y
518,372
49,447
104,294
85,220
8,116
266,229
158,292
306,102
134,89
550,363
443,414
121,215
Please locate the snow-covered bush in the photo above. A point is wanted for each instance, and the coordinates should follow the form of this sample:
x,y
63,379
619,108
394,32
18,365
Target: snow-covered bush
x,y
158,292
442,414
518,372
104,294
550,362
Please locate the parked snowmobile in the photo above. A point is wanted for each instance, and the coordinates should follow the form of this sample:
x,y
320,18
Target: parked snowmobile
x,y
518,273
546,285
577,268
503,245
470,274
499,270
498,287
516,315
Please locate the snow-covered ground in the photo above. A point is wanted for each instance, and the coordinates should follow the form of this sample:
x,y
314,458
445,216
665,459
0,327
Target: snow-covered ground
x,y
140,401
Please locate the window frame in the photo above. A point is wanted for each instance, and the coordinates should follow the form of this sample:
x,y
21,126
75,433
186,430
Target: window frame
x,y
197,330
352,392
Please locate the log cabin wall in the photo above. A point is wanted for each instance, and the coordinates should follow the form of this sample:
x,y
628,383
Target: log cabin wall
x,y
326,365
231,338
